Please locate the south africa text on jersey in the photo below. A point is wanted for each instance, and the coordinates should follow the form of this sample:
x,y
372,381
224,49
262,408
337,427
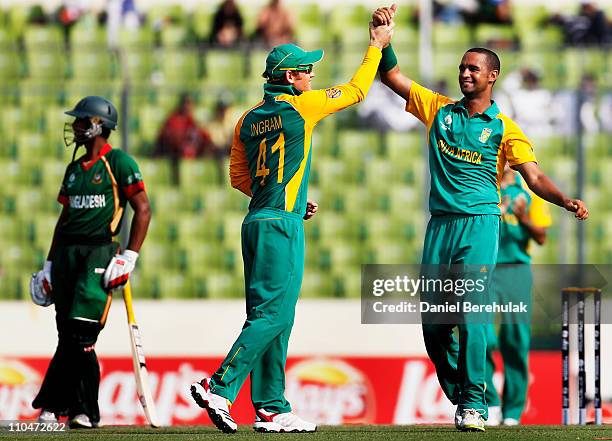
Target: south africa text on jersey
x,y
88,201
462,154
266,125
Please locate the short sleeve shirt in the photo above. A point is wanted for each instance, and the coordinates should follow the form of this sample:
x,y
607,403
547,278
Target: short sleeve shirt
x,y
95,194
466,154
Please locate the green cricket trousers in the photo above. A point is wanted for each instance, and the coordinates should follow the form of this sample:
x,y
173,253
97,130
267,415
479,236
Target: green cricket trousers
x,y
511,283
273,254
71,383
464,241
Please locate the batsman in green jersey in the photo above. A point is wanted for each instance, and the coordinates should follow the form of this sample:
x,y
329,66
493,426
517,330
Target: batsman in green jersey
x,y
469,143
525,217
84,264
270,162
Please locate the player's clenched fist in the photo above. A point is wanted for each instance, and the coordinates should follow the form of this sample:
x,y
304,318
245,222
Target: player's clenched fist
x,y
119,269
311,209
384,16
578,207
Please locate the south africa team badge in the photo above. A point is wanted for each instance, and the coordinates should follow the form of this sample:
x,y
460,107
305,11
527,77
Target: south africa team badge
x,y
484,136
333,92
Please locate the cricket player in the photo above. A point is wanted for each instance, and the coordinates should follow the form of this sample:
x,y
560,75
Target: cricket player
x,y
525,218
270,162
469,142
84,264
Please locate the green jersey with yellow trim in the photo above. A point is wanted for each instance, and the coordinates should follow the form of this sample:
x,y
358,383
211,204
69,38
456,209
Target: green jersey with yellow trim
x,y
271,150
514,237
95,194
466,154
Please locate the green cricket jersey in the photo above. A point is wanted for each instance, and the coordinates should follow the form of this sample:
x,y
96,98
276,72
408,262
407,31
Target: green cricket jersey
x,y
466,154
514,240
271,150
95,194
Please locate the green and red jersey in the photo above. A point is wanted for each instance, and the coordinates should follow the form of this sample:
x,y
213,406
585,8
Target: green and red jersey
x,y
95,194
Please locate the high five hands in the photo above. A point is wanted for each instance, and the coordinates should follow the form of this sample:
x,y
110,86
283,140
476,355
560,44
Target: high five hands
x,y
384,16
381,26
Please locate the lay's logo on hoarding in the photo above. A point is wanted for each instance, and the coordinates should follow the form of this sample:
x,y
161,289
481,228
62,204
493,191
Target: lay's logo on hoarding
x,y
330,391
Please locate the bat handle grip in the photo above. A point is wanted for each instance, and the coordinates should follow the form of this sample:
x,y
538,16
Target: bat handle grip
x,y
127,299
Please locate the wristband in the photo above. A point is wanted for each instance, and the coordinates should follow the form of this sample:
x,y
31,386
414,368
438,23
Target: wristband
x,y
388,60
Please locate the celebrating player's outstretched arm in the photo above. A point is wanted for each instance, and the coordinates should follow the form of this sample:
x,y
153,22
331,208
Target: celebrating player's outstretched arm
x,y
390,73
270,162
469,141
535,178
541,185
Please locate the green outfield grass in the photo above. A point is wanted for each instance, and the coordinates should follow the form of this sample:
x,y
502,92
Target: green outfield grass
x,y
350,433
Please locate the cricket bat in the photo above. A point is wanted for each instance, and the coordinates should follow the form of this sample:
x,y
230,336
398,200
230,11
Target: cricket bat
x,y
138,359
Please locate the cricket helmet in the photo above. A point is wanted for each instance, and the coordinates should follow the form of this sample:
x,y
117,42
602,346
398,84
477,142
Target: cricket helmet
x,y
100,113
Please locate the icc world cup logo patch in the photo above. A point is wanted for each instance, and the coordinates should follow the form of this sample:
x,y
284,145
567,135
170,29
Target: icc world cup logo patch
x,y
97,179
484,136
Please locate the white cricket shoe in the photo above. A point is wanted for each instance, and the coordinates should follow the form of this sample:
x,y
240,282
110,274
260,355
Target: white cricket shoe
x,y
495,416
216,406
81,421
46,416
511,422
472,421
281,422
458,418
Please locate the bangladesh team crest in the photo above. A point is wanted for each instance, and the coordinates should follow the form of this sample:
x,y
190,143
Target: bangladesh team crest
x,y
97,179
71,180
485,134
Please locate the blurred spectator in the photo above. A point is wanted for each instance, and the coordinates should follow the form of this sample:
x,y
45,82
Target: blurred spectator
x,y
383,109
448,11
37,15
67,15
487,11
588,111
227,25
120,14
589,27
528,103
441,86
566,106
605,112
181,136
275,24
221,129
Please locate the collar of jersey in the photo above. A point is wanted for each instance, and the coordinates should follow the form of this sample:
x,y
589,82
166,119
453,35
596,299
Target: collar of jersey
x,y
278,89
491,113
89,164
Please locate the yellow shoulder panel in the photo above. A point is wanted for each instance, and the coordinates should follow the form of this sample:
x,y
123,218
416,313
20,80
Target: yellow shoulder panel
x,y
424,103
515,146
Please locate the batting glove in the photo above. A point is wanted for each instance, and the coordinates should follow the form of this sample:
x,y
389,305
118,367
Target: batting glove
x,y
119,269
40,286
